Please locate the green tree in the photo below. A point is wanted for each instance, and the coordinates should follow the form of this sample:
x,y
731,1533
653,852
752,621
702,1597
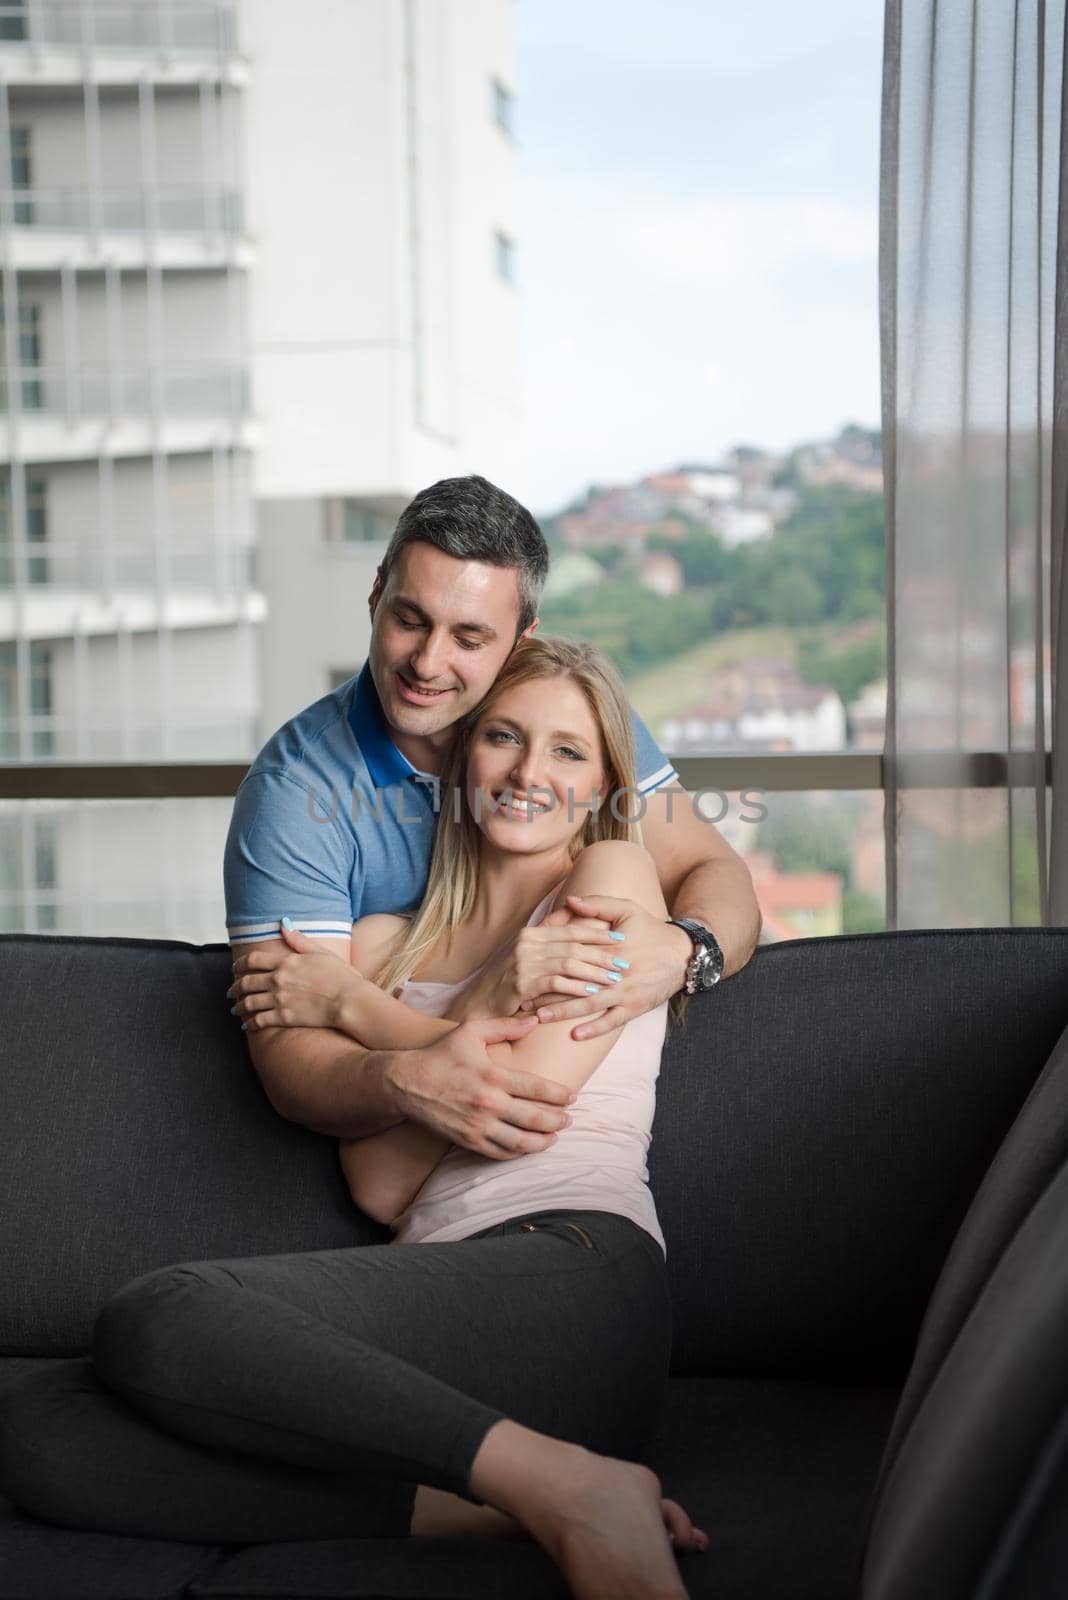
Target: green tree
x,y
848,668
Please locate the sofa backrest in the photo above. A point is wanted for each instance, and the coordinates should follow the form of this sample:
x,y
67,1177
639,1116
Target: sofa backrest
x,y
824,1119
823,1123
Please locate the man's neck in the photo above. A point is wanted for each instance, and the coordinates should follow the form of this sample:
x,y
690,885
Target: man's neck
x,y
426,752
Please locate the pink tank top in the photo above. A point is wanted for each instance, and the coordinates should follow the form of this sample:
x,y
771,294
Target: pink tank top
x,y
597,1163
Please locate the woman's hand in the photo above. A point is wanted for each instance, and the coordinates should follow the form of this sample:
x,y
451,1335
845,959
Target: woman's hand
x,y
299,987
566,954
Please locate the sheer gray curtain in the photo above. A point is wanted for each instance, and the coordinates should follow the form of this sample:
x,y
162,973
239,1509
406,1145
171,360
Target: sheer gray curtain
x,y
972,281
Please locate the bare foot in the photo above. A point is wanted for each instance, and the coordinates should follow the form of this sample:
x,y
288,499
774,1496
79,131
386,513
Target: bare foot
x,y
610,1538
603,1521
437,1514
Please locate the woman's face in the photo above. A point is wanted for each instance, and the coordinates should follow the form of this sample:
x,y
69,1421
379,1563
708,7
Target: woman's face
x,y
539,746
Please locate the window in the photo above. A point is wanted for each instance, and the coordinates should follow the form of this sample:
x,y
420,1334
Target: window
x,y
36,529
29,322
13,21
41,738
21,175
357,522
9,743
45,842
361,524
504,253
502,107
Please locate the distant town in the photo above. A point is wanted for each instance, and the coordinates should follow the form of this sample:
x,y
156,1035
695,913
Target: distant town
x,y
744,601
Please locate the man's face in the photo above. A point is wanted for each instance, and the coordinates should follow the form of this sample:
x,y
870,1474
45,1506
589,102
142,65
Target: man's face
x,y
442,630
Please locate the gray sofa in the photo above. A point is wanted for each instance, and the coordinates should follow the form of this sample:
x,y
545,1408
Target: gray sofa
x,y
859,1164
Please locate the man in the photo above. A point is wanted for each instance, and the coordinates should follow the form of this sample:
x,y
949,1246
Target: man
x,y
335,820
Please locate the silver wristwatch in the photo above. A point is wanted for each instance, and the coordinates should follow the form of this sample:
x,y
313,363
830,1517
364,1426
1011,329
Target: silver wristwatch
x,y
705,966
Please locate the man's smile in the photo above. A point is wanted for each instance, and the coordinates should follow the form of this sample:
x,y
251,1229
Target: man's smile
x,y
419,696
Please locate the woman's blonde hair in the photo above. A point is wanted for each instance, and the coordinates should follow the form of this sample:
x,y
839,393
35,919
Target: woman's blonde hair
x,y
453,877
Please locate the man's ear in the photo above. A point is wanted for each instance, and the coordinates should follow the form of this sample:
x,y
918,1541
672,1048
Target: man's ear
x,y
527,632
376,593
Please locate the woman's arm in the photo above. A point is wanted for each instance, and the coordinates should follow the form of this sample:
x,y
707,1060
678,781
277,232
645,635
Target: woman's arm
x,y
610,865
384,1170
380,1021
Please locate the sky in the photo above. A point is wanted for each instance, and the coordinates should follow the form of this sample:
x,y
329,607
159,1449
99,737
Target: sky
x,y
697,238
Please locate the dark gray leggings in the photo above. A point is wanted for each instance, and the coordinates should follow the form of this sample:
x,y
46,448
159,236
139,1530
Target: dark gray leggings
x,y
306,1396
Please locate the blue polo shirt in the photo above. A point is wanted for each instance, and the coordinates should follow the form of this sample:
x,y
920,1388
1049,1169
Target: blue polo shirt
x,y
332,822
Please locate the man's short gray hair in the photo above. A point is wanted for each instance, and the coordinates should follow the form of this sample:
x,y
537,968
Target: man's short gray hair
x,y
473,520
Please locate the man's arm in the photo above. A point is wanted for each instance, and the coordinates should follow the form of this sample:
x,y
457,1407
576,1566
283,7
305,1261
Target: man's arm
x,y
318,1077
453,1086
702,877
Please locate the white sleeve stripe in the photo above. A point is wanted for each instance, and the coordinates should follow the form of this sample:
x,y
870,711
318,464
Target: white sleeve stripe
x,y
266,930
658,779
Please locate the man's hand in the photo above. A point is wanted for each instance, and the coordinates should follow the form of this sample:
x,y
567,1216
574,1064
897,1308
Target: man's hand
x,y
561,956
658,954
458,1090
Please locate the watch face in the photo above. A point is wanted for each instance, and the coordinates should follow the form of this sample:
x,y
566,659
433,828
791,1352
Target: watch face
x,y
715,965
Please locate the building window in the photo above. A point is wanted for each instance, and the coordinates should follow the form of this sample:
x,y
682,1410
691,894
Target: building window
x,y
504,255
9,700
45,874
41,738
362,525
21,176
12,21
36,530
502,107
29,323
357,522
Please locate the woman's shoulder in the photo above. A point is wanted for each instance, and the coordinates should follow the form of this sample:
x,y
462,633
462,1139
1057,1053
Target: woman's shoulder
x,y
374,939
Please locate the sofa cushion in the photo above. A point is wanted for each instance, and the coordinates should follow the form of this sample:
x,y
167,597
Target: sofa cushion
x,y
980,1472
137,1134
39,1562
779,1473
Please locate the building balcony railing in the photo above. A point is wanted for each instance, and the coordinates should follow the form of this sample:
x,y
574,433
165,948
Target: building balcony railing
x,y
190,208
55,739
128,566
194,26
187,389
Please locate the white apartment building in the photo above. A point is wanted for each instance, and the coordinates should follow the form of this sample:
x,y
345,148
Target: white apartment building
x,y
256,289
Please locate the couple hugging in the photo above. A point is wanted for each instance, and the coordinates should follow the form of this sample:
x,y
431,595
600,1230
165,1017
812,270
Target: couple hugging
x,y
473,999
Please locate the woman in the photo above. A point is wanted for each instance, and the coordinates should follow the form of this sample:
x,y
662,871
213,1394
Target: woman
x,y
488,1382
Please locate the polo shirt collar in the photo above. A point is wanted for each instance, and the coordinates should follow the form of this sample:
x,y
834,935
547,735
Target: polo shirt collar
x,y
386,764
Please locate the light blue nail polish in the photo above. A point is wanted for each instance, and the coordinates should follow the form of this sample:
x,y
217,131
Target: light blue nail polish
x,y
287,922
233,1011
244,1027
614,977
614,935
593,988
617,961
